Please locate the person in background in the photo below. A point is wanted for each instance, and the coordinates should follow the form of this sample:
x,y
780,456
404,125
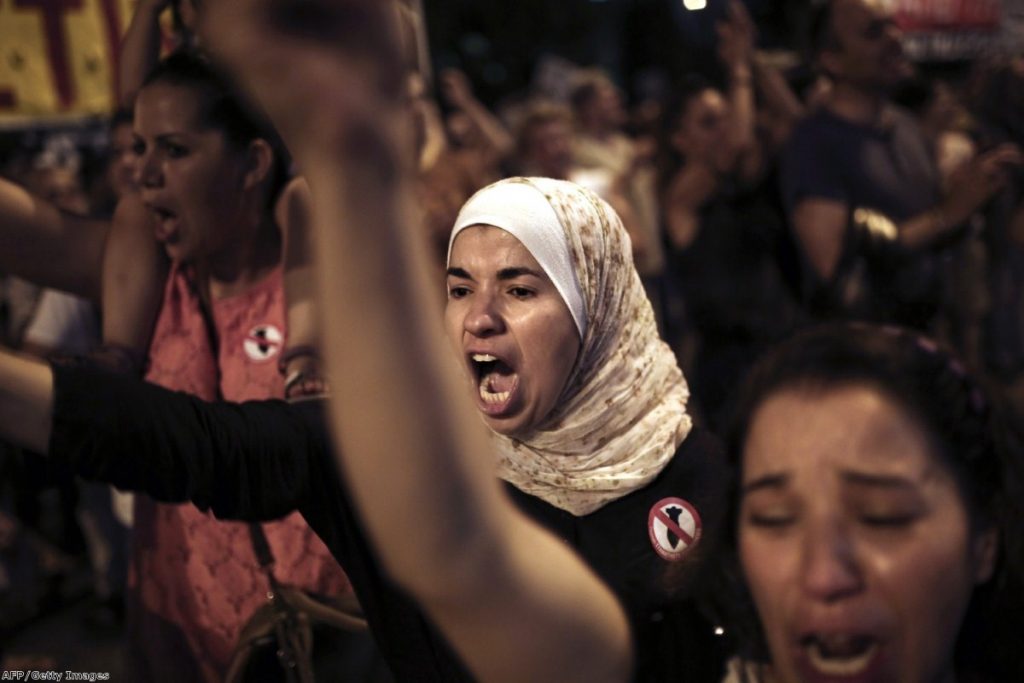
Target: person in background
x,y
856,157
722,228
118,176
476,148
950,135
471,125
70,325
544,148
600,143
52,172
995,96
48,504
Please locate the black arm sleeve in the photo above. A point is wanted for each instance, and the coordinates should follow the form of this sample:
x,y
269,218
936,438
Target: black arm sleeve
x,y
248,461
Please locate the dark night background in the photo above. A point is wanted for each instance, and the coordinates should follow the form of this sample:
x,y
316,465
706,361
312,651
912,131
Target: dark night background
x,y
499,42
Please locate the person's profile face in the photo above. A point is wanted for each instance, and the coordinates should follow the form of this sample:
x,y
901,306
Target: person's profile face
x,y
510,327
189,176
854,539
702,131
869,52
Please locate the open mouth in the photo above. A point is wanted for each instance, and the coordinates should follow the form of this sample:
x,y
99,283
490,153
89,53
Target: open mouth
x,y
160,212
839,655
496,382
165,219
896,60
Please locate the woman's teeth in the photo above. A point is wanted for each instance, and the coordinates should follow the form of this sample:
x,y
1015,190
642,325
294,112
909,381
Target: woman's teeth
x,y
493,397
840,655
493,379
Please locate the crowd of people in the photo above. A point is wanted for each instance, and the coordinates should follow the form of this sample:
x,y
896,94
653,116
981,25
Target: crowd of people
x,y
737,374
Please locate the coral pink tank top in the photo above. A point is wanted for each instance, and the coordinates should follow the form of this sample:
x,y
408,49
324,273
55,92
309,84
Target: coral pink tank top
x,y
194,580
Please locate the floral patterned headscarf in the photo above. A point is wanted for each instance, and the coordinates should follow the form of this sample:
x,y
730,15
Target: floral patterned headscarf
x,y
622,413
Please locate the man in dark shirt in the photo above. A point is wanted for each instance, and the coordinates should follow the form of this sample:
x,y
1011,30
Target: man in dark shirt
x,y
859,152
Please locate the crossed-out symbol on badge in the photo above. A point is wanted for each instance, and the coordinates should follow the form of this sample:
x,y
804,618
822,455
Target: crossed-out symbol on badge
x,y
674,527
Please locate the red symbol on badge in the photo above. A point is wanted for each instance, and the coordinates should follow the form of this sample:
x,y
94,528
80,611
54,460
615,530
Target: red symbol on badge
x,y
263,342
674,526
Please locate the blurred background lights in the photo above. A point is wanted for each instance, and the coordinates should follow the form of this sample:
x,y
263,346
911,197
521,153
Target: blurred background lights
x,y
695,4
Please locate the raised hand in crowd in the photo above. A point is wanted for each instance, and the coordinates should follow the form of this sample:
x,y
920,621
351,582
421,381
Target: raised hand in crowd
x,y
491,135
340,109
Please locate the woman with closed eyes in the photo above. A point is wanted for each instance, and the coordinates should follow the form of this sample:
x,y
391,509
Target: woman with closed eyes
x,y
878,520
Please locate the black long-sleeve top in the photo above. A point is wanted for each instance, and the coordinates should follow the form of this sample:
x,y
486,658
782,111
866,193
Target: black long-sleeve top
x,y
260,460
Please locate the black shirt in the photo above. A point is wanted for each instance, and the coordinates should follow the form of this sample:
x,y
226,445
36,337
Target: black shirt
x,y
260,460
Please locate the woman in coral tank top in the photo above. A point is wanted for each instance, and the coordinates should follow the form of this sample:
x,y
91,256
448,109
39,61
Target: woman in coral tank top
x,y
209,174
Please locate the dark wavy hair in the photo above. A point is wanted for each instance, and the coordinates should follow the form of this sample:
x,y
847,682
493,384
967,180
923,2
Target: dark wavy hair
x,y
222,107
973,438
669,160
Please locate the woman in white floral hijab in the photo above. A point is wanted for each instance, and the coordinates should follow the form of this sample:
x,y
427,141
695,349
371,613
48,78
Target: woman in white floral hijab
x,y
586,403
621,413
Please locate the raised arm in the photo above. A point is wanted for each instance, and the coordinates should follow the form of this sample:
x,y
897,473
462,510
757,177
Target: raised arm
x,y
140,49
515,603
302,364
44,245
820,222
458,92
215,455
26,401
777,93
134,271
736,42
117,264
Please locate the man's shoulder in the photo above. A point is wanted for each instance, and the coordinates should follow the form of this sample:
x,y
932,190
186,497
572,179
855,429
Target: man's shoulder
x,y
822,125
824,142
